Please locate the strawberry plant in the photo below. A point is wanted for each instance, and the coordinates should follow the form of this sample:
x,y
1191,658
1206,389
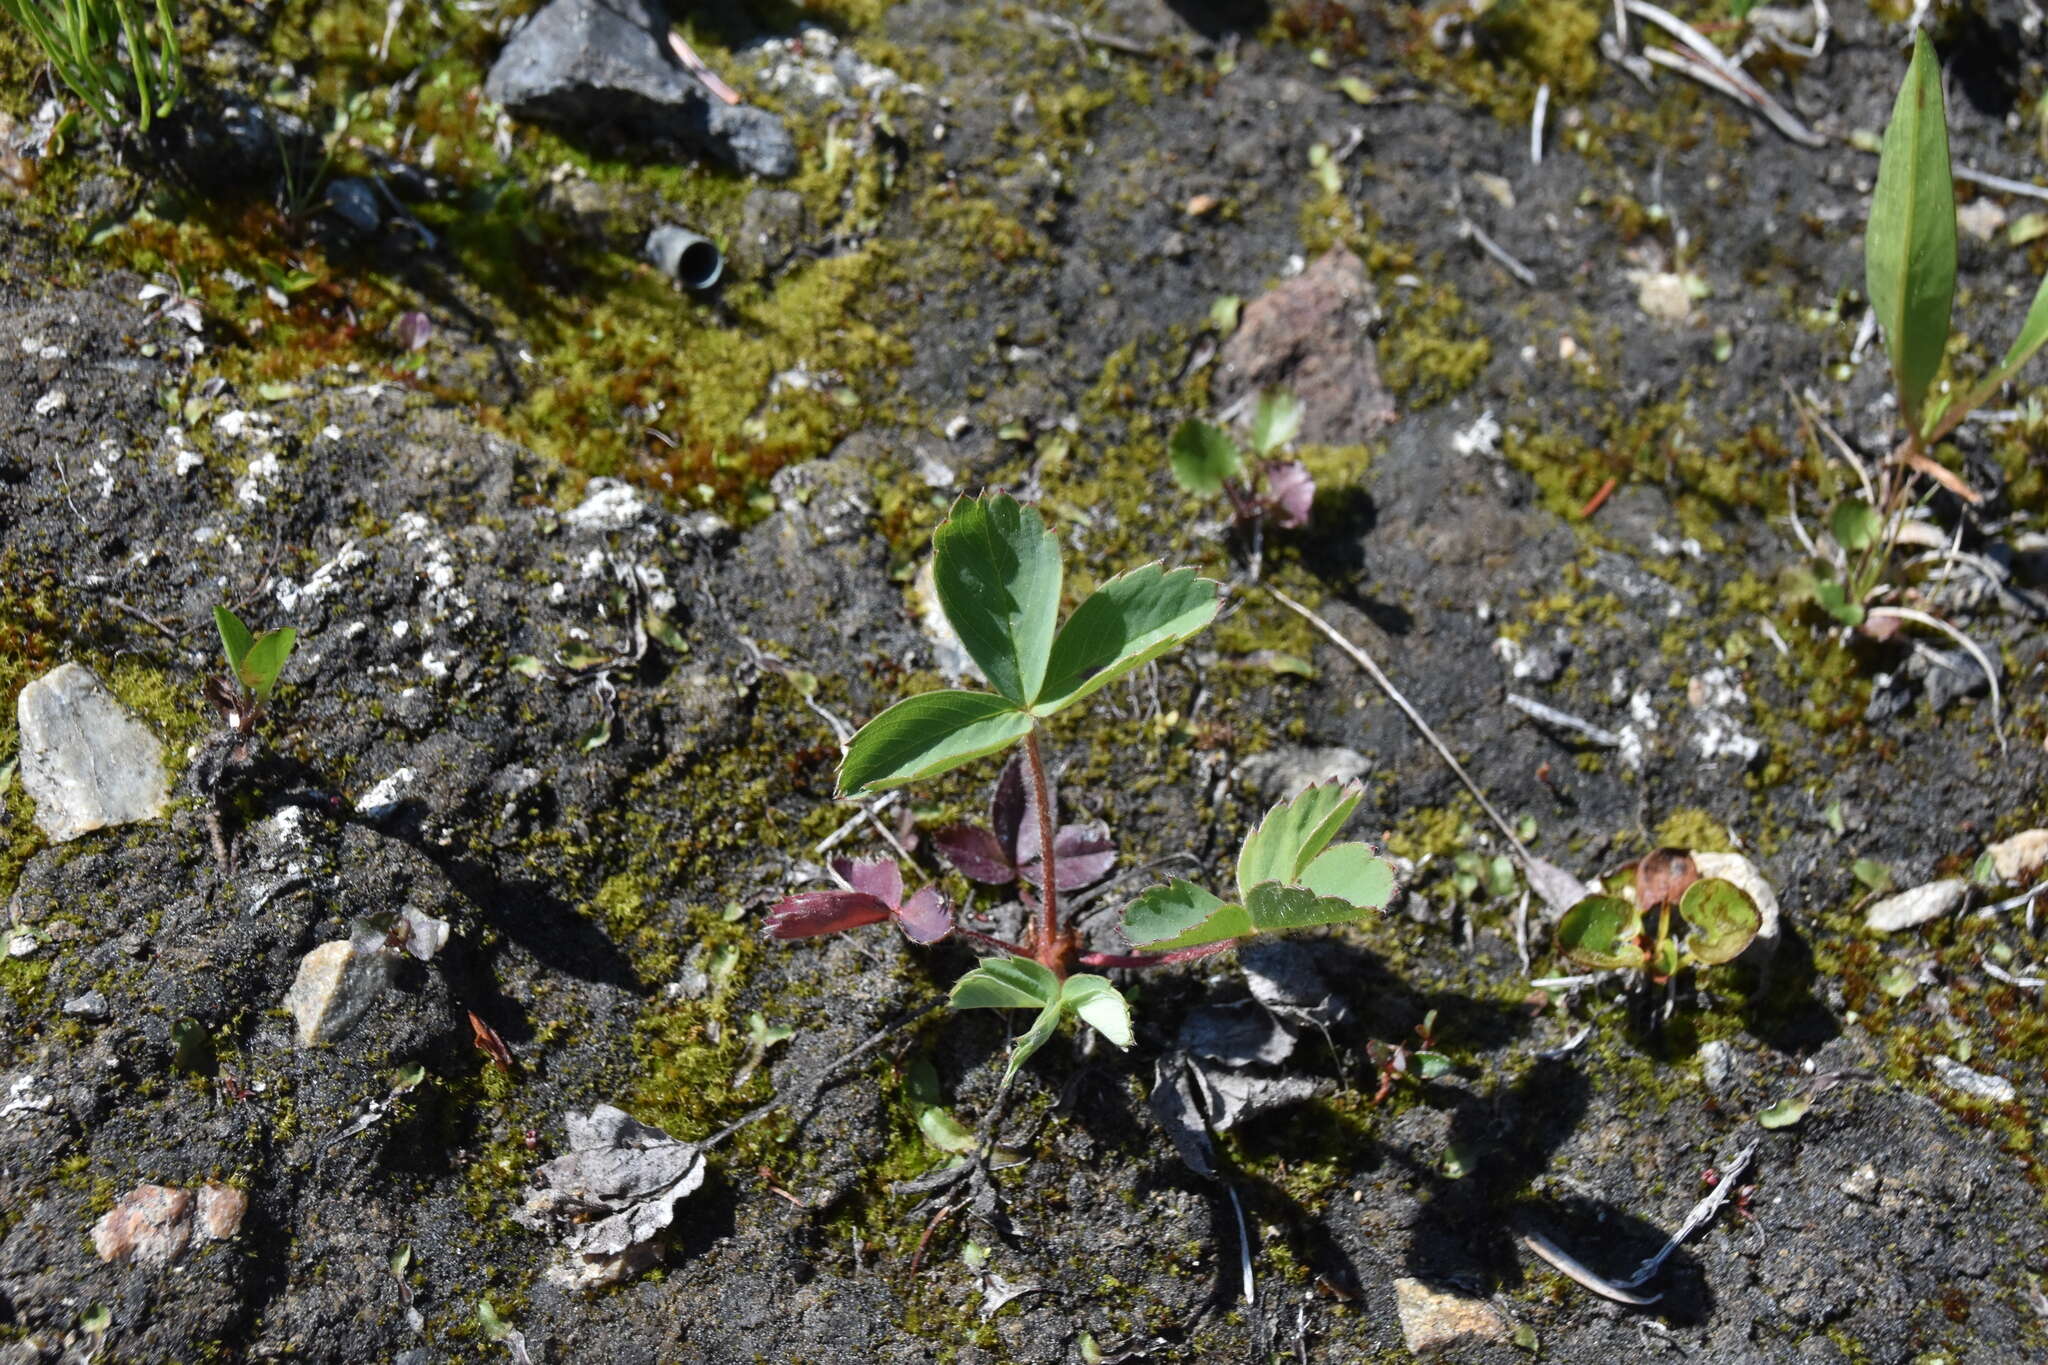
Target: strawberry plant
x,y
998,573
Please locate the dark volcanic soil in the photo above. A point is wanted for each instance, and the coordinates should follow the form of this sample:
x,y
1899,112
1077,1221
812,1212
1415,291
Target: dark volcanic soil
x,y
583,584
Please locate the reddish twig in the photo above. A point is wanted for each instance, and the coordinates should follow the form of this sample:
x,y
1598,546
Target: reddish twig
x,y
1167,958
1051,950
1593,503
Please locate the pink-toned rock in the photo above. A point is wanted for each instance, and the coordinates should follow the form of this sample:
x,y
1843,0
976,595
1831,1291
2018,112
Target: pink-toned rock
x,y
1313,336
221,1209
154,1225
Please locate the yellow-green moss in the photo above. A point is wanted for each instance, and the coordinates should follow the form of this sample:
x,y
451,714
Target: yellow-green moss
x,y
1692,828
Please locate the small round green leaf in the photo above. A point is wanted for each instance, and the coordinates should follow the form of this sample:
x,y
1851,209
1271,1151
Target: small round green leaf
x,y
1855,524
1722,918
1600,932
1785,1112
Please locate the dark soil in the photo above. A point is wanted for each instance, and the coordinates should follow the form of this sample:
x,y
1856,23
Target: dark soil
x,y
478,726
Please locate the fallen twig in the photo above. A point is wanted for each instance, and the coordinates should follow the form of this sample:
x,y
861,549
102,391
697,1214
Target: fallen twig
x,y
1569,1265
694,64
1564,720
1708,65
1558,888
1477,235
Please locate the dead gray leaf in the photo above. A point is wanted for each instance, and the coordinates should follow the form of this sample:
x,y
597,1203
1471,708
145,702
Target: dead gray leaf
x,y
1283,977
997,1291
610,1195
1239,1035
1233,1096
1174,1108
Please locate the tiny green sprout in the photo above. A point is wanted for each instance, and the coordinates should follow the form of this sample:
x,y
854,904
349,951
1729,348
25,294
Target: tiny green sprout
x,y
1289,876
1658,916
1263,488
254,665
255,662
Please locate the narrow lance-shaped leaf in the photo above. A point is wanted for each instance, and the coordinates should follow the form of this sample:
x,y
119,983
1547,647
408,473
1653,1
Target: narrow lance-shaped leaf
x,y
265,660
1203,457
1909,254
2033,335
1127,622
997,571
925,735
235,638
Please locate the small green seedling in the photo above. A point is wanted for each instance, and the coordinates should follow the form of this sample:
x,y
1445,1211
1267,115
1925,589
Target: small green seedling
x,y
254,663
1658,916
998,574
239,698
1910,276
1207,460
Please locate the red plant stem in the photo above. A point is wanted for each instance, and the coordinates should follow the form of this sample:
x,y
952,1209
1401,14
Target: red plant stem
x,y
1001,944
1164,959
1047,943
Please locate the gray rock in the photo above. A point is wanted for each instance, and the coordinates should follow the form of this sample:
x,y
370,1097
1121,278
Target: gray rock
x,y
91,1005
586,62
1949,675
773,224
1910,909
1289,769
85,761
1715,1063
337,984
355,203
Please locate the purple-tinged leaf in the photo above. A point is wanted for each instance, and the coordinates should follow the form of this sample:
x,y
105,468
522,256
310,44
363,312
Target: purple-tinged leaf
x,y
1084,855
1291,492
925,917
412,330
1027,848
878,877
810,913
976,853
1006,808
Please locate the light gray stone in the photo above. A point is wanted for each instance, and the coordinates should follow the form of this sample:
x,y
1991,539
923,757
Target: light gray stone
x,y
1287,770
91,1005
1909,909
85,761
337,984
